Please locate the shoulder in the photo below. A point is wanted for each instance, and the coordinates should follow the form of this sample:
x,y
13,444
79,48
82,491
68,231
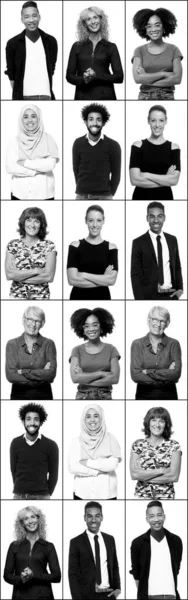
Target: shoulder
x,y
48,442
16,39
50,139
14,341
139,443
174,146
14,243
48,244
174,537
140,239
170,237
16,441
108,537
137,144
80,140
111,143
46,341
75,243
112,246
76,541
48,37
139,540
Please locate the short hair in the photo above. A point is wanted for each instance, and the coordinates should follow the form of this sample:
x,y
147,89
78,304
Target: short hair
x,y
33,407
162,311
157,107
93,504
20,532
94,207
82,31
79,317
28,5
37,311
154,503
158,411
36,213
166,17
96,108
155,204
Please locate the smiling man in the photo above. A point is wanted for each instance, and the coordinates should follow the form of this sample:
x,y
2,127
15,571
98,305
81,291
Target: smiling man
x,y
155,262
96,157
33,457
156,557
93,564
31,58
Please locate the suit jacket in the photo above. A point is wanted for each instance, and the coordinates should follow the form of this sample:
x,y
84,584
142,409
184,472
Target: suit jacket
x,y
82,569
144,267
16,57
141,556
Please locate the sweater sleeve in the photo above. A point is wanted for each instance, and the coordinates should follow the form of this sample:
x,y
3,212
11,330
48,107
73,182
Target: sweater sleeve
x,y
13,459
53,463
115,167
9,570
117,72
76,159
71,73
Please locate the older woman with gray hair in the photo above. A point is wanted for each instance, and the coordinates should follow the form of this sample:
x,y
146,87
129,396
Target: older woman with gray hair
x,y
156,360
91,58
28,557
31,360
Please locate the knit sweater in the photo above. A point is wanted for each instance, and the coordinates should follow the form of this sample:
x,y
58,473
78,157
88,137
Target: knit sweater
x,y
96,168
30,465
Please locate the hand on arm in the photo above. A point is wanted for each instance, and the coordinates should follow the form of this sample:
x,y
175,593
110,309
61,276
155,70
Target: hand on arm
x,y
140,75
75,278
40,165
138,473
15,274
171,177
108,278
78,376
111,377
140,179
172,77
46,273
171,473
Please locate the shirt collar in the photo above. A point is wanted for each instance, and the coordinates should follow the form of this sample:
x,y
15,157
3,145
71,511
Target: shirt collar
x,y
100,138
154,235
38,437
148,343
92,535
23,342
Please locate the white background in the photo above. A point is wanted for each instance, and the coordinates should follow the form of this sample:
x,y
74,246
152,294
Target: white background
x,y
175,224
116,338
135,413
53,213
112,231
133,40
113,524
12,327
52,120
136,524
53,514
137,128
74,127
51,23
137,327
52,428
116,18
114,418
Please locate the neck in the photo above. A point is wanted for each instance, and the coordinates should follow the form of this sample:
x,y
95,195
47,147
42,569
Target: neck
x,y
94,138
95,37
92,343
94,240
32,537
155,338
33,35
30,338
157,43
30,239
155,439
30,437
157,140
158,535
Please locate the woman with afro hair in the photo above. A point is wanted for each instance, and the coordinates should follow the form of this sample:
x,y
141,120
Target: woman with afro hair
x,y
94,365
156,459
94,63
157,64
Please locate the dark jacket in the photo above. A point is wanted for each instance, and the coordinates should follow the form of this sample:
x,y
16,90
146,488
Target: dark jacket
x,y
82,569
141,555
16,57
144,267
43,554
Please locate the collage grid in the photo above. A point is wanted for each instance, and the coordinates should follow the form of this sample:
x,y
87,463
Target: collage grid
x,y
70,309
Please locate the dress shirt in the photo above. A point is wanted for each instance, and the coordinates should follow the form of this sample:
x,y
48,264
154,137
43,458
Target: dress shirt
x,y
29,442
91,142
157,365
89,480
103,557
32,365
166,258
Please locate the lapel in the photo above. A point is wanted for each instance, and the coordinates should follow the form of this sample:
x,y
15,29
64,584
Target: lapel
x,y
150,244
87,542
170,247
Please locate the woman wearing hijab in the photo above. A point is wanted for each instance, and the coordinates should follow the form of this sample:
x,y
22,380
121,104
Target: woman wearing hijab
x,y
31,158
94,457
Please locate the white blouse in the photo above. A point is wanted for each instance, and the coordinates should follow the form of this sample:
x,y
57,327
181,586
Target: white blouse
x,y
97,480
28,182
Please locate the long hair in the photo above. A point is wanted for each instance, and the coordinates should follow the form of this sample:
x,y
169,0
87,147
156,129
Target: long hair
x,y
19,529
82,31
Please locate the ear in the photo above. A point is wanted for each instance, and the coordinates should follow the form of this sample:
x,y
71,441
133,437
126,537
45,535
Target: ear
x,y
84,517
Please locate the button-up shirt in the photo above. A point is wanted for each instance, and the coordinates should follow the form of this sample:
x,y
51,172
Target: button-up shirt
x,y
103,556
30,442
165,257
157,365
32,364
92,142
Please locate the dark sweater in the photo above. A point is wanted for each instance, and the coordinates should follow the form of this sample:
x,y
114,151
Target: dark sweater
x,y
30,465
96,168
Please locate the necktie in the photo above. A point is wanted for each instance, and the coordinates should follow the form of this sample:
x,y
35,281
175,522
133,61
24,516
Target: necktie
x,y
97,559
160,260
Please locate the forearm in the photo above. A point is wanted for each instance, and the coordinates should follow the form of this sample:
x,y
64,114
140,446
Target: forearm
x,y
163,180
20,275
42,278
105,465
41,375
148,78
76,468
13,168
166,375
87,377
166,478
107,380
79,281
145,474
42,165
101,280
138,376
142,181
168,81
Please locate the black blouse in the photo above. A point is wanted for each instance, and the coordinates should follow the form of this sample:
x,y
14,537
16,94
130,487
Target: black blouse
x,y
153,158
91,258
82,57
19,557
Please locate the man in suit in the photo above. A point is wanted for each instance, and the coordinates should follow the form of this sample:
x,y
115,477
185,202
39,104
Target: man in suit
x,y
31,57
93,564
156,558
155,262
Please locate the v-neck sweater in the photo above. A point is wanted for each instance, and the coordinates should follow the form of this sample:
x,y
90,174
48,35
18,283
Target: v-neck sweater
x,y
96,168
30,465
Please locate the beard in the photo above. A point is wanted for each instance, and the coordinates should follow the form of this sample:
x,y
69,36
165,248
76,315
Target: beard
x,y
97,132
34,432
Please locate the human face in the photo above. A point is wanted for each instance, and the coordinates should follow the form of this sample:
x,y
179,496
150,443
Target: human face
x,y
93,519
157,323
157,122
93,22
155,517
157,426
32,323
154,28
32,423
30,120
30,18
32,226
92,328
155,218
30,522
94,123
92,420
94,222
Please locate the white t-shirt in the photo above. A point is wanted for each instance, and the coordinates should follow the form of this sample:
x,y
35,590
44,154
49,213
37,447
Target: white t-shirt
x,y
36,80
161,580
